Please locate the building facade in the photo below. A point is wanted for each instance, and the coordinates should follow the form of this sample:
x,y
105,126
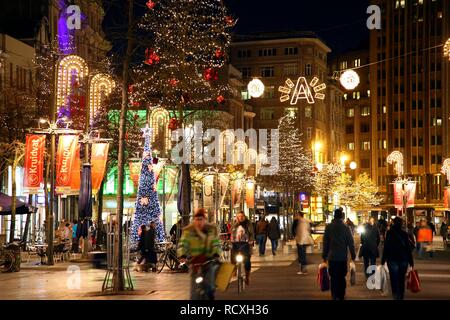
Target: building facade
x,y
409,102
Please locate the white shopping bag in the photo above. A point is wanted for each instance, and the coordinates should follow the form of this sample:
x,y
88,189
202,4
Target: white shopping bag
x,y
374,280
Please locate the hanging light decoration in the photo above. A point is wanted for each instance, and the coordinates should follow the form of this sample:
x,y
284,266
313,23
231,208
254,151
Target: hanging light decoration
x,y
447,49
255,88
349,79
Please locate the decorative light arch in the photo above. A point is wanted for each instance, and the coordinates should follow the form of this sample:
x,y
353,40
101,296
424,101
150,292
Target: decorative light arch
x,y
240,151
101,86
160,118
251,157
396,158
446,169
227,138
447,49
70,68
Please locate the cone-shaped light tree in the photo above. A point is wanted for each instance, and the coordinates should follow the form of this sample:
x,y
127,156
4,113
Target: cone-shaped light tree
x,y
147,204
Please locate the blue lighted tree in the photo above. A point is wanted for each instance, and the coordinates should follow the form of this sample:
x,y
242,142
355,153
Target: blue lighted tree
x,y
147,204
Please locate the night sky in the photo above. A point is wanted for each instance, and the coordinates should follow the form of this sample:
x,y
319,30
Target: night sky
x,y
341,24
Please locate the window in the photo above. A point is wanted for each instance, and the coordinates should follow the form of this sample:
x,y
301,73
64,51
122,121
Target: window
x,y
308,133
292,112
417,142
246,72
365,145
343,65
384,109
245,95
269,92
399,143
436,140
244,53
365,163
399,124
267,72
268,52
365,128
382,144
436,122
349,129
351,146
436,159
308,69
365,111
368,93
291,51
357,63
308,112
267,114
290,70
350,112
345,96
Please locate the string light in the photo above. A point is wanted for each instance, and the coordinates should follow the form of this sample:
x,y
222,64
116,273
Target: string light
x,y
349,79
71,69
256,88
447,49
159,119
396,158
101,87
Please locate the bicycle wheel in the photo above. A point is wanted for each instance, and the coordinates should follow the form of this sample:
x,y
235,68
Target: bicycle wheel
x,y
172,261
162,261
240,279
8,262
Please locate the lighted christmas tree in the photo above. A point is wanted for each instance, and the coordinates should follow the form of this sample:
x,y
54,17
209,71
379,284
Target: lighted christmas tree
x,y
147,204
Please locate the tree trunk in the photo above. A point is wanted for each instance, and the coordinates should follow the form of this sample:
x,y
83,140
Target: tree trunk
x,y
118,274
27,225
100,204
12,227
185,172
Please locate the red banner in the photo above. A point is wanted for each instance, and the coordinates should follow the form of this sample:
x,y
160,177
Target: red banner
x,y
65,159
76,173
135,171
34,163
447,198
411,194
99,156
398,195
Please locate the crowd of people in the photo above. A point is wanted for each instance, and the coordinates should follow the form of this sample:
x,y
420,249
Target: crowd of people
x,y
73,234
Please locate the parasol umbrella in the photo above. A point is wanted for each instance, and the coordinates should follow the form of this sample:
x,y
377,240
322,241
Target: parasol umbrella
x,y
85,197
21,207
180,203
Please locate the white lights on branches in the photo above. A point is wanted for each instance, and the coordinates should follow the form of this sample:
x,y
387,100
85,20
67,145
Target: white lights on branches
x,y
302,90
349,79
396,158
255,88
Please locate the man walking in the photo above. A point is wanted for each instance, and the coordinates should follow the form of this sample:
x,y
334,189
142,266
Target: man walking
x,y
370,240
337,240
301,229
261,235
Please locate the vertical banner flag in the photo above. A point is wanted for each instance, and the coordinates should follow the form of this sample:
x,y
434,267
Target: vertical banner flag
x,y
99,156
398,195
76,173
135,171
411,194
34,163
65,159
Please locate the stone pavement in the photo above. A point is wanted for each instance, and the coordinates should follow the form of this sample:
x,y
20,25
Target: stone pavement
x,y
273,278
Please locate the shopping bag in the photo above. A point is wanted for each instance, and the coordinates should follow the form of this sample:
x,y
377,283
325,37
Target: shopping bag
x,y
359,253
413,283
224,275
352,274
384,281
323,278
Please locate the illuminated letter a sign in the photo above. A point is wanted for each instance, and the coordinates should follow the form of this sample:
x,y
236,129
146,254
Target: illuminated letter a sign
x,y
302,91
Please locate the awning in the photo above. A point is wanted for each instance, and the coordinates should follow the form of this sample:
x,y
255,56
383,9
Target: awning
x,y
6,205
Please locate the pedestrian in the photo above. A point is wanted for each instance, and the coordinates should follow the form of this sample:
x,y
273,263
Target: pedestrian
x,y
200,243
382,227
261,235
425,239
143,259
301,229
351,225
432,227
242,241
150,237
397,254
175,231
274,234
337,241
444,233
370,240
416,230
75,243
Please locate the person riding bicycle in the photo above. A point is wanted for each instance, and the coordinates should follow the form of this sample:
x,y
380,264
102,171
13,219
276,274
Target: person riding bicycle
x,y
199,243
242,240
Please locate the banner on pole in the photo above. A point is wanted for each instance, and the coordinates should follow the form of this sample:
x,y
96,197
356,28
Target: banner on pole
x,y
208,193
447,198
65,159
411,192
99,156
34,163
398,195
250,194
76,174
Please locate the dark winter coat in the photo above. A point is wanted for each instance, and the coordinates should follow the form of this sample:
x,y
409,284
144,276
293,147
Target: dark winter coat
x,y
261,227
397,247
273,231
444,230
337,241
370,240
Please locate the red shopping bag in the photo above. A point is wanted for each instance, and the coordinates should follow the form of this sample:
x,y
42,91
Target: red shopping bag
x,y
413,283
323,278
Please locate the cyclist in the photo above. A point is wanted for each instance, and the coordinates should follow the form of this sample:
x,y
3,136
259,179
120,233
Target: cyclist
x,y
200,243
242,240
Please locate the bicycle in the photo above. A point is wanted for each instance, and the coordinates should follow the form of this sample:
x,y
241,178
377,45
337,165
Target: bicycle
x,y
8,261
168,257
239,272
201,282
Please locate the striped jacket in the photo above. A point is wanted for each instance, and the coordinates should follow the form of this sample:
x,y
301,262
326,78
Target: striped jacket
x,y
194,243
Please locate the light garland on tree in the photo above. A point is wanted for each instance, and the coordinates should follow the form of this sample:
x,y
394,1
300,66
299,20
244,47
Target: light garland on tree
x,y
147,204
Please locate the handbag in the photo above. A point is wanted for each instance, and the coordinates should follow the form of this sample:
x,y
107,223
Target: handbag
x,y
413,283
323,278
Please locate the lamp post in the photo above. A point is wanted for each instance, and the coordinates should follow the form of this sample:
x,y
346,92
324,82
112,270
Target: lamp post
x,y
53,131
396,158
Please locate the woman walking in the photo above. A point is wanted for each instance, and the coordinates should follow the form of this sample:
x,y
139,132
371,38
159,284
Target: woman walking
x,y
274,234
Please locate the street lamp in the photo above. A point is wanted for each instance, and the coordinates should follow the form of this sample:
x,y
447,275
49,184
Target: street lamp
x,y
53,131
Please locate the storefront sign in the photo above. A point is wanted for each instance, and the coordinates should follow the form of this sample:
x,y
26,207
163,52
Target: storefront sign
x,y
65,159
99,157
34,163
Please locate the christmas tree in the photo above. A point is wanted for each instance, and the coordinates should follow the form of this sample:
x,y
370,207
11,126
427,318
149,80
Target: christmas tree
x,y
147,204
